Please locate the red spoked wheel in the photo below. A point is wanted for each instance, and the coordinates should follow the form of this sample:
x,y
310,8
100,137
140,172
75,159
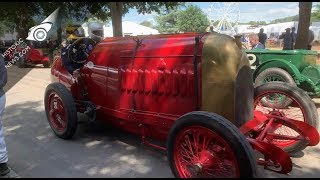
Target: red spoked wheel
x,y
57,115
60,110
275,130
206,145
202,152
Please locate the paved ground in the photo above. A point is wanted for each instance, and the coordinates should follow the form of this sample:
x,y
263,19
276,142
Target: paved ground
x,y
96,150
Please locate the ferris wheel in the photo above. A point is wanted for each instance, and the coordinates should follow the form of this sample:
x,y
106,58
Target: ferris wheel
x,y
224,17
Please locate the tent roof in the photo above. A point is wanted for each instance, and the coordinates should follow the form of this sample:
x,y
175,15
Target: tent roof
x,y
131,28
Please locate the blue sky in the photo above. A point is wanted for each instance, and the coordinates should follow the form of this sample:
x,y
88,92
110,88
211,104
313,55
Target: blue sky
x,y
248,11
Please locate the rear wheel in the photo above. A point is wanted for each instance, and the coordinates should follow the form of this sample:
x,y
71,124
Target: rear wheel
x,y
46,64
21,63
202,144
60,110
302,109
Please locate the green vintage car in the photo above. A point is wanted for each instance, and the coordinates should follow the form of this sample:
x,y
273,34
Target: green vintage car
x,y
293,66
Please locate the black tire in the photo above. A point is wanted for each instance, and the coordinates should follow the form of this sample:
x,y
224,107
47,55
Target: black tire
x,y
46,64
278,72
307,105
21,63
68,101
243,151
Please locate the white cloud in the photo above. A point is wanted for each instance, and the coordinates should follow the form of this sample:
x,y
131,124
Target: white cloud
x,y
267,15
293,5
261,3
283,12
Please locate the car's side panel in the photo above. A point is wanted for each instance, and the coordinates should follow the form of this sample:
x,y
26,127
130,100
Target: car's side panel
x,y
163,80
299,58
104,78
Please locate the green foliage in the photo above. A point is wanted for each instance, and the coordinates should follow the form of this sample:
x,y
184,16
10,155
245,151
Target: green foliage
x,y
149,7
286,19
18,15
167,23
147,23
255,23
163,8
6,27
192,19
315,16
23,15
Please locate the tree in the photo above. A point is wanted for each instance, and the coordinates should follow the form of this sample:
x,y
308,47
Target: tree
x,y
193,19
118,9
24,15
6,27
75,12
304,23
20,14
146,23
315,16
167,23
286,19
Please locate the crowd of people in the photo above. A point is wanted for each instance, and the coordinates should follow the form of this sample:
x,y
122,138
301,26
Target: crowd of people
x,y
288,38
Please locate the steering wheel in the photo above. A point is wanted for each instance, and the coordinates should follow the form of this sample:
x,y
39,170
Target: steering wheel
x,y
79,50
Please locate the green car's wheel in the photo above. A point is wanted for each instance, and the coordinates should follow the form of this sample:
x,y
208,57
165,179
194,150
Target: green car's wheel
x,y
271,75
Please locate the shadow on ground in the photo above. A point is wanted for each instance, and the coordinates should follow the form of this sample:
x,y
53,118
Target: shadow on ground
x,y
96,150
15,74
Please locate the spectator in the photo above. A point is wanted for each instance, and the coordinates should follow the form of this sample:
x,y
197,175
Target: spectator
x,y
262,37
294,36
254,41
287,40
247,40
243,39
4,169
310,40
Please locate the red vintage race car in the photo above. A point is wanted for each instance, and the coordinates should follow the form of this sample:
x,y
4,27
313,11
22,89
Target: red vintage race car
x,y
24,54
194,92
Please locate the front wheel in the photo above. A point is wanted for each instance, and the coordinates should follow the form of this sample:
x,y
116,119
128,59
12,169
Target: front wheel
x,y
302,109
202,144
60,110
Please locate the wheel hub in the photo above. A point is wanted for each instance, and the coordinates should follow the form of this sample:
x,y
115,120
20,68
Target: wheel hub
x,y
206,159
277,113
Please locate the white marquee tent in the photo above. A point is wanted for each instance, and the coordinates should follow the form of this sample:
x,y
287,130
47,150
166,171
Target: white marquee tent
x,y
128,29
278,28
